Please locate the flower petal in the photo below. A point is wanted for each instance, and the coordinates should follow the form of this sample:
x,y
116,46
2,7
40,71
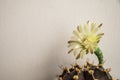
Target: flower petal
x,y
83,52
79,28
86,29
76,33
78,56
97,28
70,51
92,27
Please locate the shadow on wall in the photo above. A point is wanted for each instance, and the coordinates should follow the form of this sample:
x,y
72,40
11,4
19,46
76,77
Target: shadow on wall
x,y
118,1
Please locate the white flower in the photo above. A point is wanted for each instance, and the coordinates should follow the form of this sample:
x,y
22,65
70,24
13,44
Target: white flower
x,y
85,39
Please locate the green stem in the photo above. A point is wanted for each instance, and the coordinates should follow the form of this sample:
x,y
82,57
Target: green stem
x,y
99,55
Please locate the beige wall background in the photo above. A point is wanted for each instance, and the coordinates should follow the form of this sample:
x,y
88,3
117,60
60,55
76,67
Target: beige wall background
x,y
34,35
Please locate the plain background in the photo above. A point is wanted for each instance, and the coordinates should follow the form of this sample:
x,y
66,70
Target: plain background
x,y
34,35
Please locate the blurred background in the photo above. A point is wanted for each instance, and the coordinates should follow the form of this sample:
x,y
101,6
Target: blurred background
x,y
34,35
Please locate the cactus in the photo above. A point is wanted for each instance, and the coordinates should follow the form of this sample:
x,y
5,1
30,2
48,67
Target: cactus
x,y
87,72
73,73
85,40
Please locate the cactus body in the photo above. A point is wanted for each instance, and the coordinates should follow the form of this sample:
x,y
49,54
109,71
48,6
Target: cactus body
x,y
88,72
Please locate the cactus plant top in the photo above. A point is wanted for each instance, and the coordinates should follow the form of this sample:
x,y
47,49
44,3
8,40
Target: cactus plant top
x,y
85,40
